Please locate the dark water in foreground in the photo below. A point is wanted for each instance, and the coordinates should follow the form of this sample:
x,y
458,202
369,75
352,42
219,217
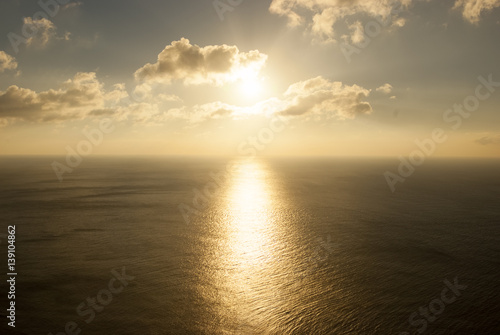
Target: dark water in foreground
x,y
283,247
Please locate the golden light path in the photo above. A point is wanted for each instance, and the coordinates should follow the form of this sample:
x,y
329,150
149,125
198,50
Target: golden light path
x,y
255,256
251,246
250,206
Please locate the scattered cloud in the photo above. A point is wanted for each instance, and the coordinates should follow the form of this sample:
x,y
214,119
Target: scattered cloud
x,y
75,99
37,33
66,36
73,4
321,96
386,89
399,22
7,62
84,96
318,98
194,65
40,31
357,32
472,9
320,16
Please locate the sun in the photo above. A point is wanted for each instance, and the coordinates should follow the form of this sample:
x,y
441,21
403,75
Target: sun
x,y
251,87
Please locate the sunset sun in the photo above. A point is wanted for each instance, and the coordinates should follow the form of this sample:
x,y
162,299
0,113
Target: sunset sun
x,y
251,87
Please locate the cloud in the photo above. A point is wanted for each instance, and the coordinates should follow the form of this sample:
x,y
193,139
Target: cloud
x,y
143,91
36,33
194,65
357,32
212,110
7,62
386,89
317,97
75,99
74,4
472,9
489,139
320,16
84,96
39,32
324,97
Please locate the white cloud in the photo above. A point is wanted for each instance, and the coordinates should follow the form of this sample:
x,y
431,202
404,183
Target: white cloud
x,y
472,9
320,16
7,62
191,64
386,89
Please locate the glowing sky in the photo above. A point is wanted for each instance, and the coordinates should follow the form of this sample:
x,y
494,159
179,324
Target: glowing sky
x,y
344,78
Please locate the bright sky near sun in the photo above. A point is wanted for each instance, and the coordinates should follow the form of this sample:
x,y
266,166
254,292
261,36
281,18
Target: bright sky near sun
x,y
348,78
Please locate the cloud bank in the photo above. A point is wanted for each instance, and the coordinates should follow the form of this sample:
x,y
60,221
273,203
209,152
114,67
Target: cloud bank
x,y
76,98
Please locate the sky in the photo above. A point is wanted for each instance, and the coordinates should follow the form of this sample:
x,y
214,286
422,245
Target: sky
x,y
230,77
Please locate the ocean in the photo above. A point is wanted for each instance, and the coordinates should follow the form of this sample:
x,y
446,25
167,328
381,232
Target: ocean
x,y
179,245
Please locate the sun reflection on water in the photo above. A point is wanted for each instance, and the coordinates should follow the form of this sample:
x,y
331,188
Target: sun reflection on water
x,y
249,252
250,223
257,257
